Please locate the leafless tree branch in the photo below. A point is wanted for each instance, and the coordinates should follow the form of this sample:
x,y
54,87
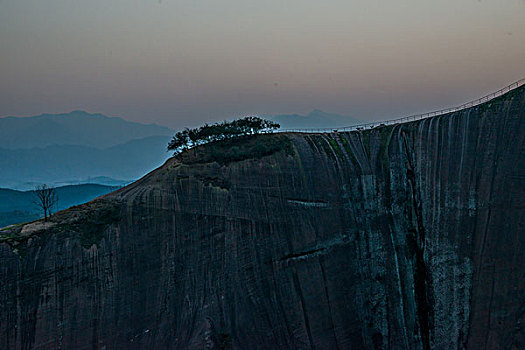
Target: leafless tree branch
x,y
46,198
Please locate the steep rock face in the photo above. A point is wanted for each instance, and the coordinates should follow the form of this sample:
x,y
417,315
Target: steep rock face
x,y
406,236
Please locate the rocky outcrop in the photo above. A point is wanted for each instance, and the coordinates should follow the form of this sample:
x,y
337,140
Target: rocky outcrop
x,y
405,236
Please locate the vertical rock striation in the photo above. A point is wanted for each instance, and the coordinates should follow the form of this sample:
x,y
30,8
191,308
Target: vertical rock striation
x,y
407,236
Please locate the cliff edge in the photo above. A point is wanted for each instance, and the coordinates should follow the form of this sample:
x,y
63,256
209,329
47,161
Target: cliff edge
x,y
405,236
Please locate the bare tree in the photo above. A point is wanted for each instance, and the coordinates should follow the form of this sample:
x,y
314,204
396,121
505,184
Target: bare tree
x,y
46,198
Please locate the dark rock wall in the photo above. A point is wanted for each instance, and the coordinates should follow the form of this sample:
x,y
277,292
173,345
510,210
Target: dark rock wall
x,y
407,236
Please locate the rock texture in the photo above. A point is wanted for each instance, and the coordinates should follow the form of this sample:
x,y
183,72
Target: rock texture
x,y
408,236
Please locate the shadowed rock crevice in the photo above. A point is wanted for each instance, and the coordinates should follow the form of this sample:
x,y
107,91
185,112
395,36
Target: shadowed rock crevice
x,y
304,255
416,241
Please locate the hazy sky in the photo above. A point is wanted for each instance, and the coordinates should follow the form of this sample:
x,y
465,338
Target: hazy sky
x,y
180,62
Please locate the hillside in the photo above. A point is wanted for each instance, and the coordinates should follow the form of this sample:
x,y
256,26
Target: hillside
x,y
19,206
405,236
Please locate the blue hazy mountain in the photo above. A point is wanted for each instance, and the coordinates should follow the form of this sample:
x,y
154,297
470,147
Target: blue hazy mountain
x,y
314,119
56,165
75,128
19,206
78,147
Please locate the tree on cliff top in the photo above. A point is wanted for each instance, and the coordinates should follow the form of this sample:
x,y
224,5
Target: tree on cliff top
x,y
46,198
189,138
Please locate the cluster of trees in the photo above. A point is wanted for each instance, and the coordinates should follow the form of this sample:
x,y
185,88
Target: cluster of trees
x,y
189,138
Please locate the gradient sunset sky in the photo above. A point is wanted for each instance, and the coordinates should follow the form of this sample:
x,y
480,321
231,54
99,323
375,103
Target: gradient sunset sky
x,y
182,62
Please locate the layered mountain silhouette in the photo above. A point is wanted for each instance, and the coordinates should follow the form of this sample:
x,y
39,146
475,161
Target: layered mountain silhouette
x,y
75,128
24,168
77,147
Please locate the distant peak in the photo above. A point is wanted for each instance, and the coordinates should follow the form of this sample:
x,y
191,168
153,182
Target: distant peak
x,y
76,113
87,114
318,112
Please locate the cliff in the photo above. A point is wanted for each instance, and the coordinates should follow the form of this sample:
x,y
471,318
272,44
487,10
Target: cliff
x,y
407,236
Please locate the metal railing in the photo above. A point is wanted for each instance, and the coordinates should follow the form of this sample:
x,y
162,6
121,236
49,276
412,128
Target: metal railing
x,y
415,116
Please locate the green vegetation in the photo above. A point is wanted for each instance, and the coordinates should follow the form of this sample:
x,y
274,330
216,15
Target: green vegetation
x,y
336,148
510,95
326,147
366,141
383,161
91,228
88,222
349,151
189,138
345,144
12,236
385,134
234,150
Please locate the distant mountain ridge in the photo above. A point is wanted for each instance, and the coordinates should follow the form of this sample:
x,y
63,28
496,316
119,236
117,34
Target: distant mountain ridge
x,y
78,147
67,197
19,206
74,128
314,119
75,163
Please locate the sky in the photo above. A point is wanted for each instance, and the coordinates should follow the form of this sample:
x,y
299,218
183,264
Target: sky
x,y
182,62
